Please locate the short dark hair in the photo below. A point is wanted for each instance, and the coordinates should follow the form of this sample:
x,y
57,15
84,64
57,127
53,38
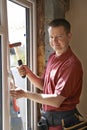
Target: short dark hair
x,y
60,22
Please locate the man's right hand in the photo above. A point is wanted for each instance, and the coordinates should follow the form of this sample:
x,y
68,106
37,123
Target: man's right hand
x,y
23,70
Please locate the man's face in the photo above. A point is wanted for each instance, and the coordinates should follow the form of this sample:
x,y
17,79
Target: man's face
x,y
59,39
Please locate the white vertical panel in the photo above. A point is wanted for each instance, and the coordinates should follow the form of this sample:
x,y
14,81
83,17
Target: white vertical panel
x,y
34,59
5,90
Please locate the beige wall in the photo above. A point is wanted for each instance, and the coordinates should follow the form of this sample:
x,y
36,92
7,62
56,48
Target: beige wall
x,y
78,18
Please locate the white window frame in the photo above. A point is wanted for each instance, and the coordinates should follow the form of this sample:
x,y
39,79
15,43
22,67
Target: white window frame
x,y
31,4
5,93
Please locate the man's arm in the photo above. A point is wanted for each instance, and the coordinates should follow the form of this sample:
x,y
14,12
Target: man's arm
x,y
48,99
36,80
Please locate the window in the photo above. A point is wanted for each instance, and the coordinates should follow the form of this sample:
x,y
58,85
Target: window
x,y
26,34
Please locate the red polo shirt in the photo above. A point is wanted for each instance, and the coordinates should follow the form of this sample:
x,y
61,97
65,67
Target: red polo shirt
x,y
63,76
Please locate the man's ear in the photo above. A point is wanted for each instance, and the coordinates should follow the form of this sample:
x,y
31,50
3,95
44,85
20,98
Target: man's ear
x,y
70,35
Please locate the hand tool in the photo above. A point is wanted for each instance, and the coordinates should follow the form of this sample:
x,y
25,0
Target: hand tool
x,y
15,46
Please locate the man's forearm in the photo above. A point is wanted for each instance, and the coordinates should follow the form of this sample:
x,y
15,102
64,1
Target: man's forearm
x,y
48,99
36,80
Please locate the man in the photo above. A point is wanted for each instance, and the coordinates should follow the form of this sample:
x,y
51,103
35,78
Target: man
x,y
61,82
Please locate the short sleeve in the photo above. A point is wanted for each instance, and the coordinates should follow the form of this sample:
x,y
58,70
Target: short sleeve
x,y
69,80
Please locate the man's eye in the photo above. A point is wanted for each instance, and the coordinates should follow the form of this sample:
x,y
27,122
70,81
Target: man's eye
x,y
51,37
60,36
57,37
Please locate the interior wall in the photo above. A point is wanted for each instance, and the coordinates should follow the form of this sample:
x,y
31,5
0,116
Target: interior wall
x,y
77,15
57,9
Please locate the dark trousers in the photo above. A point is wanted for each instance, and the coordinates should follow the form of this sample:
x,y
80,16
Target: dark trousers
x,y
56,118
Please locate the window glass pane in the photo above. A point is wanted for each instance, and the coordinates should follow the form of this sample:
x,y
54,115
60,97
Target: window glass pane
x,y
17,33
